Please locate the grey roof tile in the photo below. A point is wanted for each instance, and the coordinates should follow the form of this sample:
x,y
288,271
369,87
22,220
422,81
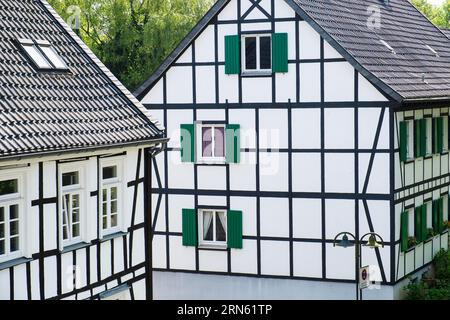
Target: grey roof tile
x,y
40,112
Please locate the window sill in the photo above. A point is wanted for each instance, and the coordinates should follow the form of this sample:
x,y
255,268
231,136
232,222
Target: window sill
x,y
75,246
256,74
211,162
13,263
113,236
219,247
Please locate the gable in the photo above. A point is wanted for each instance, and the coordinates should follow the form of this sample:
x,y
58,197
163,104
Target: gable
x,y
203,70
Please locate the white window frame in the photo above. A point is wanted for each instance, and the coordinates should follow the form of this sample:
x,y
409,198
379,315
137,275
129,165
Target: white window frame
x,y
258,70
199,143
17,198
214,243
46,44
80,189
409,139
429,222
411,229
109,183
429,136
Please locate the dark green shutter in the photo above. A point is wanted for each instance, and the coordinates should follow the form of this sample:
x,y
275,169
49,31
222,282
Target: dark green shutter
x,y
232,55
417,136
418,224
441,215
233,143
189,227
435,218
404,231
424,223
234,229
187,142
438,127
403,141
280,52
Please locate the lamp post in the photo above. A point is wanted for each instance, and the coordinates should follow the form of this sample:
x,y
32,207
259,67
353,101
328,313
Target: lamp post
x,y
371,243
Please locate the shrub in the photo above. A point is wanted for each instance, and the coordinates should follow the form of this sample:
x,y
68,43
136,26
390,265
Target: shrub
x,y
441,264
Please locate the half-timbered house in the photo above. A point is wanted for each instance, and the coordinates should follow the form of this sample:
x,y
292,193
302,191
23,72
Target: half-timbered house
x,y
291,121
75,157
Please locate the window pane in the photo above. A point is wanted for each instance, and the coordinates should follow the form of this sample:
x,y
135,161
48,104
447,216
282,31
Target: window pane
x,y
110,172
105,209
113,206
51,55
104,194
14,212
14,228
2,214
2,230
208,226
75,215
113,193
9,187
37,57
105,223
250,53
76,201
14,244
219,148
220,227
65,233
70,178
113,220
265,53
2,247
76,230
206,142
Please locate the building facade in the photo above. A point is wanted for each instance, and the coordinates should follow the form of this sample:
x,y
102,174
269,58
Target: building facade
x,y
286,131
75,156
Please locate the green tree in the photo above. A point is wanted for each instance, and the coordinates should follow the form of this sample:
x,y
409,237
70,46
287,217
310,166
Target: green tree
x,y
132,37
439,15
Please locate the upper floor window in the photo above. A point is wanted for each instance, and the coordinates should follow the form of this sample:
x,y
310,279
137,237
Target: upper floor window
x,y
257,53
10,219
110,197
42,54
212,142
71,207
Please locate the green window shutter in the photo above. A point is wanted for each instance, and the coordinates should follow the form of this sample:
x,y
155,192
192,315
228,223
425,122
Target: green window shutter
x,y
234,229
280,52
187,142
423,137
189,227
404,231
424,222
441,215
233,143
232,55
417,135
403,141
435,218
418,223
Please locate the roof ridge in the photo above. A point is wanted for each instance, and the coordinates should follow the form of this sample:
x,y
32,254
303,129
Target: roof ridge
x,y
140,108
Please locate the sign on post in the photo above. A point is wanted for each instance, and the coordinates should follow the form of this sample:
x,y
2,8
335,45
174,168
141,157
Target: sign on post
x,y
364,277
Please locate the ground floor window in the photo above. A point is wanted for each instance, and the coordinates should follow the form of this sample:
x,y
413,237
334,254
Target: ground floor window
x,y
213,227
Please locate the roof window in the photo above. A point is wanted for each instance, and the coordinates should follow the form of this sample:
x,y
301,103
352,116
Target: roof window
x,y
42,54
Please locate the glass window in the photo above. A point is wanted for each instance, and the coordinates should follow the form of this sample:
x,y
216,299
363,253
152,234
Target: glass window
x,y
213,142
109,172
53,57
35,55
429,136
258,53
110,199
70,178
214,227
410,139
8,187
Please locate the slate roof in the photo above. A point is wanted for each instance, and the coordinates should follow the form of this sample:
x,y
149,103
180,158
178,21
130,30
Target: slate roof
x,y
413,73
45,112
446,32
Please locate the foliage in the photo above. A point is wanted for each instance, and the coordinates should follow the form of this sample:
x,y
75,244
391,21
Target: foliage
x,y
412,242
438,289
439,15
132,37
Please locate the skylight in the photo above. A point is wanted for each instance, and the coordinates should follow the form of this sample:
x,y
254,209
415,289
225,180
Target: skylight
x,y
387,46
42,54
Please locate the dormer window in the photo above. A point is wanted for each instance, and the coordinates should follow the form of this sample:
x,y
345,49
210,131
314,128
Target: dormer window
x,y
42,54
257,55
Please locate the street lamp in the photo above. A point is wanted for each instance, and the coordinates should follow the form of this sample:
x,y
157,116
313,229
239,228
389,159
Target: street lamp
x,y
371,243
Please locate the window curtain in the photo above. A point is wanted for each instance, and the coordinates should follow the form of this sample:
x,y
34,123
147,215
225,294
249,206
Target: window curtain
x,y
207,219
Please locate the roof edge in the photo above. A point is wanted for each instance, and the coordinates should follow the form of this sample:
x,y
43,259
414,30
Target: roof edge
x,y
147,85
377,82
141,110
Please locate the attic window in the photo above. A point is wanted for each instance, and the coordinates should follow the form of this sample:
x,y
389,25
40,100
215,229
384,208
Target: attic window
x,y
42,54
388,46
432,50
